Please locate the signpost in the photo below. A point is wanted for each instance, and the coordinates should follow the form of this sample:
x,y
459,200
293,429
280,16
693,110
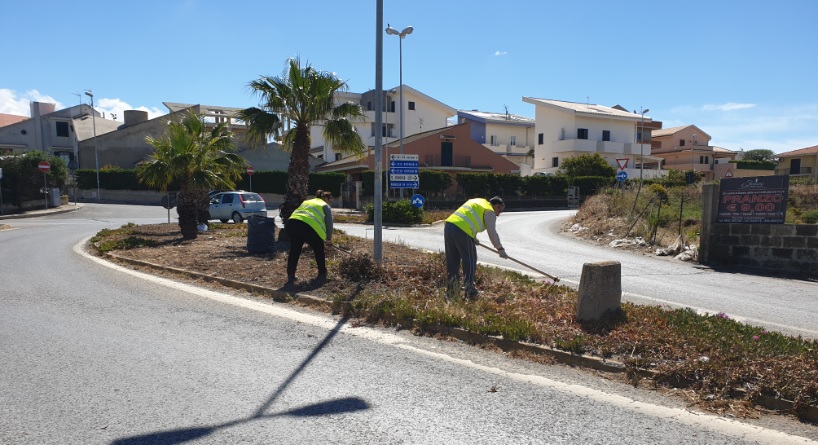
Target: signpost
x,y
250,171
45,167
622,176
403,171
418,201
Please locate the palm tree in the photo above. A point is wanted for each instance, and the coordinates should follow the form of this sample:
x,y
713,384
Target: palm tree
x,y
200,160
302,97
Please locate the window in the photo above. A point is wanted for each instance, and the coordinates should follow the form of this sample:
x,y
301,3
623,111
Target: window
x,y
681,142
392,106
606,135
337,156
493,139
704,159
555,162
62,129
369,105
513,141
540,139
582,133
411,105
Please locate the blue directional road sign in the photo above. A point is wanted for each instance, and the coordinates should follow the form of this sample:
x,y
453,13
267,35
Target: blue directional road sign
x,y
417,201
403,171
621,176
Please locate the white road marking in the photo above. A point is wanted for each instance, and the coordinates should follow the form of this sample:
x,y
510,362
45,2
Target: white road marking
x,y
717,424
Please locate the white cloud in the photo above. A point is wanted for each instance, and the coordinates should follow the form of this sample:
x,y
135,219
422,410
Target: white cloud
x,y
729,106
117,107
12,103
500,53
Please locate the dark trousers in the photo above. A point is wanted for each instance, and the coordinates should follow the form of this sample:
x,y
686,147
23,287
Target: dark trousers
x,y
461,250
300,233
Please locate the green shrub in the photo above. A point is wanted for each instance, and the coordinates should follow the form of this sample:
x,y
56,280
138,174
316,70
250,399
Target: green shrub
x,y
401,212
810,217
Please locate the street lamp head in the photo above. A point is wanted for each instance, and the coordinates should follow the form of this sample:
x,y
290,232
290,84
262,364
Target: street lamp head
x,y
89,93
646,111
394,32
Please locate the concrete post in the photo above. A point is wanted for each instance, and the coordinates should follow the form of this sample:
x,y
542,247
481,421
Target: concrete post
x,y
600,290
710,213
359,188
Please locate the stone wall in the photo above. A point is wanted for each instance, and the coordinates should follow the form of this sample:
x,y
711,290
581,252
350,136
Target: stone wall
x,y
778,248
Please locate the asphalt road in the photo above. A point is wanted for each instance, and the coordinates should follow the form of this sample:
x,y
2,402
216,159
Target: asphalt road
x,y
534,238
91,353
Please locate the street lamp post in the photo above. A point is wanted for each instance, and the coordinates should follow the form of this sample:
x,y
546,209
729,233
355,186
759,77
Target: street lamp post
x,y
401,35
94,123
642,138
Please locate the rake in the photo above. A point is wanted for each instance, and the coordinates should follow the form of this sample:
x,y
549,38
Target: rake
x,y
524,264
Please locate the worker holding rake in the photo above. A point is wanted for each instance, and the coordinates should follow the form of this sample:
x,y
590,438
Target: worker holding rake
x,y
460,239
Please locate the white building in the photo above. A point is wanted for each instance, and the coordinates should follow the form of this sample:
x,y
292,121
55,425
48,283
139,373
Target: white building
x,y
420,113
567,129
508,135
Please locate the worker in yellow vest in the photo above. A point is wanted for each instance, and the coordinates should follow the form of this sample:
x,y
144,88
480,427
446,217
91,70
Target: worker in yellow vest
x,y
310,223
460,239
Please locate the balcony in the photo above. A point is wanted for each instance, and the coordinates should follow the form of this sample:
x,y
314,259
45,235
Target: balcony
x,y
569,145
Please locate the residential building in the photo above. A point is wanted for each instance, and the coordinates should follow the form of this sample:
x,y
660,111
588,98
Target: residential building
x,y
799,163
420,113
687,148
56,132
126,147
568,129
508,135
449,149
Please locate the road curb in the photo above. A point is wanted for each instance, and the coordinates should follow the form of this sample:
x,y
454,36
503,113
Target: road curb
x,y
804,412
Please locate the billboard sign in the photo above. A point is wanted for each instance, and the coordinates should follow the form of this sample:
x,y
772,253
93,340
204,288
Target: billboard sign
x,y
757,200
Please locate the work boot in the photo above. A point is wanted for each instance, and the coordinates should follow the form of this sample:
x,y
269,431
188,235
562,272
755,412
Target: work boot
x,y
320,279
471,293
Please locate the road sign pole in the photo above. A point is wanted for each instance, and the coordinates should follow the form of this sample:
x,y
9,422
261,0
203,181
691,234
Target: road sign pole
x,y
45,189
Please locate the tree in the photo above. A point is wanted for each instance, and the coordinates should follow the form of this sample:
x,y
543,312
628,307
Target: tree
x,y
759,155
199,159
586,165
22,180
301,97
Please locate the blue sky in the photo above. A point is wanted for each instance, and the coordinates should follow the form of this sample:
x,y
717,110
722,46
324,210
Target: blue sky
x,y
745,72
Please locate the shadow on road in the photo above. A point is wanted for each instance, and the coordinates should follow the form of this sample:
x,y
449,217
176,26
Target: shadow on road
x,y
336,406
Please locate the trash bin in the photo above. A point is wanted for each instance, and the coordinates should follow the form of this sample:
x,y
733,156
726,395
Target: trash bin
x,y
261,235
54,197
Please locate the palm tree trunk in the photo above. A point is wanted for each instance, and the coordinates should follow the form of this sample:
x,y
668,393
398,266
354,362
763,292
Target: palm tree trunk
x,y
187,214
298,176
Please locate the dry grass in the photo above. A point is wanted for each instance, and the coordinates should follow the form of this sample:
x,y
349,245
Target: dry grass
x,y
717,361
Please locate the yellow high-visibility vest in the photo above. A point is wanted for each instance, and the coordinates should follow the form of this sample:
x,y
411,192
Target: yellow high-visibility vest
x,y
469,217
311,212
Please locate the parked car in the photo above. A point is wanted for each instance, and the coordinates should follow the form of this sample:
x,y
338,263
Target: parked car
x,y
236,205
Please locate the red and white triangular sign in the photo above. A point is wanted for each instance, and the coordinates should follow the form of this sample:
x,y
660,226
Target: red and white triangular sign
x,y
622,162
729,173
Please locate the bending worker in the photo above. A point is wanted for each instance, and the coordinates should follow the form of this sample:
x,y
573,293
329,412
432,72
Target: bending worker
x,y
310,223
460,238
